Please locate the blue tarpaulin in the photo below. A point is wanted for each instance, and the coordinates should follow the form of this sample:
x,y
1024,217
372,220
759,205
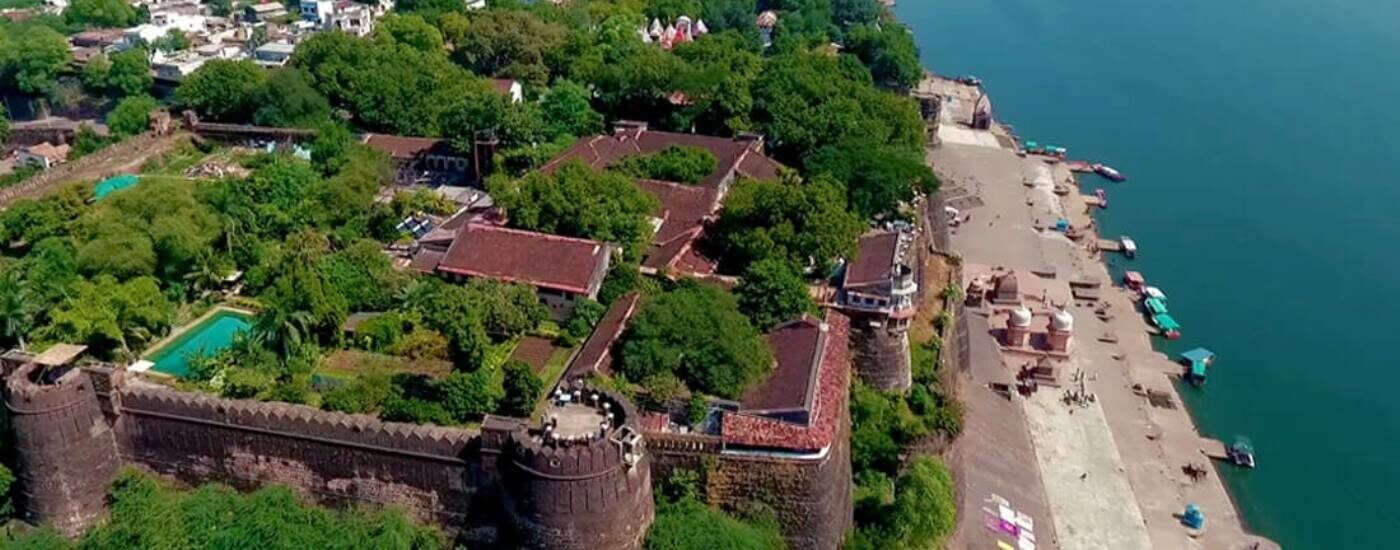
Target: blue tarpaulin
x,y
115,183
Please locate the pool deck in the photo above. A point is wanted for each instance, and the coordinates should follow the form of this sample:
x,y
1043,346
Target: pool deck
x,y
144,365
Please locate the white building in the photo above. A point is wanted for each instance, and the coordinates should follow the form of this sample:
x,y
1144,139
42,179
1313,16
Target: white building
x,y
43,155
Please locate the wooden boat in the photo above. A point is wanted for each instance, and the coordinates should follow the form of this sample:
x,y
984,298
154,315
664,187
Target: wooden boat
x,y
1129,246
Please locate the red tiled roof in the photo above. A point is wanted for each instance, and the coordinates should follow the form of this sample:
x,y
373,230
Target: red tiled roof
x,y
874,258
731,154
405,147
539,259
796,348
828,404
503,85
596,353
684,209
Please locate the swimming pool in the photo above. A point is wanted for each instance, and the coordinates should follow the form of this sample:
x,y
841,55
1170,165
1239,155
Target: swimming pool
x,y
209,335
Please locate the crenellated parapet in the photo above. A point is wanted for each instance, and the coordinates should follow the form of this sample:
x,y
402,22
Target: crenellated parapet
x,y
291,420
580,477
66,452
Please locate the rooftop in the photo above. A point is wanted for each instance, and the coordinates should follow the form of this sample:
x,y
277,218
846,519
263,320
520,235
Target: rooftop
x,y
797,351
405,147
875,257
512,255
684,209
743,156
825,398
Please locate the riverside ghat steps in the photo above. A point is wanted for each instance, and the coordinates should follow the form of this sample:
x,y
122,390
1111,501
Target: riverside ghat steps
x,y
1109,475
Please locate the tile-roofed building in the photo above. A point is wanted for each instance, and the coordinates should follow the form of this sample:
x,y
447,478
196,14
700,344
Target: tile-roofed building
x,y
562,269
799,407
679,224
416,157
880,277
510,88
44,155
595,357
735,157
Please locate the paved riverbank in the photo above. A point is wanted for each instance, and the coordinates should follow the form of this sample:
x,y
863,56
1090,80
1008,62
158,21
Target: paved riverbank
x,y
1110,471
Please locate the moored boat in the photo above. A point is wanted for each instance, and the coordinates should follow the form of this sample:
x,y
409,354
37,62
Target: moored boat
x,y
1129,246
1108,172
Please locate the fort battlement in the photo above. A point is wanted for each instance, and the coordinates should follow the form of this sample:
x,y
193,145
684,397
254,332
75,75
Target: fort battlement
x,y
65,449
581,478
298,421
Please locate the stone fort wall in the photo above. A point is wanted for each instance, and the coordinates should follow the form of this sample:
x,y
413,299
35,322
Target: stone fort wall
x,y
72,437
811,495
430,472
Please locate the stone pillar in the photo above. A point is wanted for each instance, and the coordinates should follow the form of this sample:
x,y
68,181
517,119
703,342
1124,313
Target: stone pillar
x,y
66,451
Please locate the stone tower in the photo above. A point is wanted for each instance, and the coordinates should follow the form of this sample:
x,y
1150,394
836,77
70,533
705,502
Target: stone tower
x,y
1060,331
66,451
880,293
581,478
1018,327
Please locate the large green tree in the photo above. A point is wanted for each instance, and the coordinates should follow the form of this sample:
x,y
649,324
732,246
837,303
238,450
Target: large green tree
x,y
877,179
805,224
890,52
132,115
223,90
510,43
100,13
111,317
580,202
31,57
288,99
696,333
772,292
130,73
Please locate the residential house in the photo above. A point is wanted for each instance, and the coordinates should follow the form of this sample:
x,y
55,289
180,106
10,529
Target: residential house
x,y
264,12
43,155
563,270
274,54
510,88
350,18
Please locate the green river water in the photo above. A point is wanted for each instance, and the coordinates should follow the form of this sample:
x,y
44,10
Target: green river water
x,y
1261,142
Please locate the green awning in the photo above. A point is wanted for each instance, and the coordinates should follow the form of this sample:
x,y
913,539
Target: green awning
x,y
1156,306
1198,369
1165,322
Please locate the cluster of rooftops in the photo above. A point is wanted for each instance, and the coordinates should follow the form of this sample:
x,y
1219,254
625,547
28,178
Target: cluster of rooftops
x,y
797,407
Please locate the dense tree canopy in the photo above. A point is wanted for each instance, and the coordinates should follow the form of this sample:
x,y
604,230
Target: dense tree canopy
x,y
696,333
772,292
223,89
132,115
509,43
31,57
101,13
146,513
802,224
675,163
877,179
580,202
289,100
889,50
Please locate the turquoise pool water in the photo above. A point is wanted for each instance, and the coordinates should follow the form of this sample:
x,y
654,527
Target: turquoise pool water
x,y
212,334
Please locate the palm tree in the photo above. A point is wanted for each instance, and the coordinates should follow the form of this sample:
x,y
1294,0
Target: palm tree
x,y
16,309
206,275
283,329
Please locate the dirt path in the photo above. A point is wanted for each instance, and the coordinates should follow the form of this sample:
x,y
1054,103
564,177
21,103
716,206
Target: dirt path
x,y
124,157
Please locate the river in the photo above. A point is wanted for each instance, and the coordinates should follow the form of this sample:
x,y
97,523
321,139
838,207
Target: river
x,y
1256,137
